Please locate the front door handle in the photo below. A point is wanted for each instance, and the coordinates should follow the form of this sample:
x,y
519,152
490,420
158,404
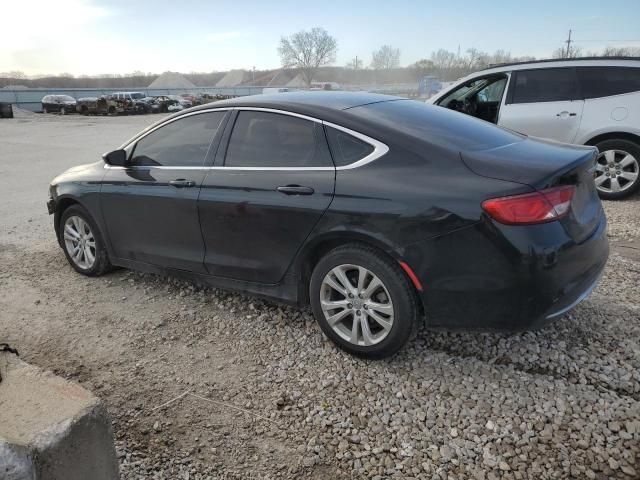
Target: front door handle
x,y
182,183
295,190
566,114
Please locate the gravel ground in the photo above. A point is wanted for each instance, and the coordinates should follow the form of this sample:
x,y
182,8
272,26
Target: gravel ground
x,y
203,383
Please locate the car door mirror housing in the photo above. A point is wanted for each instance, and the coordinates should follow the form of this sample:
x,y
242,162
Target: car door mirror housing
x,y
116,158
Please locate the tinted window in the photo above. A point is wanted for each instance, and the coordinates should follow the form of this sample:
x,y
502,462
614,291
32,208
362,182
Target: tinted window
x,y
544,85
262,139
346,148
604,81
436,125
181,143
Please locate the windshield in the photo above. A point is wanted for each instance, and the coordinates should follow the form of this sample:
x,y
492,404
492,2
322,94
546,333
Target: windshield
x,y
137,95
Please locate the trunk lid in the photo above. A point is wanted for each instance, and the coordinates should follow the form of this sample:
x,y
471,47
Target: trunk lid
x,y
543,164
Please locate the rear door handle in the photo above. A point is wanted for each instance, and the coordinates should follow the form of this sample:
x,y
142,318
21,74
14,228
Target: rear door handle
x,y
182,183
295,190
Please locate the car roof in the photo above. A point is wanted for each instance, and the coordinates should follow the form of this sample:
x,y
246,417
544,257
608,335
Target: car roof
x,y
566,62
306,101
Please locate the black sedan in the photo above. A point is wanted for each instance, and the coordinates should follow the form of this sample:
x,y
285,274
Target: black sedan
x,y
380,212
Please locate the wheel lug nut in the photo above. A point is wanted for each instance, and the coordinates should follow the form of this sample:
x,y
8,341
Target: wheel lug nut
x,y
350,305
357,312
351,295
366,308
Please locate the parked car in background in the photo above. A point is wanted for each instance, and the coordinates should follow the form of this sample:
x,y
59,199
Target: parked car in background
x,y
97,105
184,102
6,110
131,102
582,101
58,104
373,209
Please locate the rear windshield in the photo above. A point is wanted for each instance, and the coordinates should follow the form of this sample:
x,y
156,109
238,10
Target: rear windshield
x,y
436,125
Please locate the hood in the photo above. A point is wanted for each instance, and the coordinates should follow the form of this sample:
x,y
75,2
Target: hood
x,y
87,172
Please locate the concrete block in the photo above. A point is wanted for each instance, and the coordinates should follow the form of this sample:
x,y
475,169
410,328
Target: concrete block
x,y
50,428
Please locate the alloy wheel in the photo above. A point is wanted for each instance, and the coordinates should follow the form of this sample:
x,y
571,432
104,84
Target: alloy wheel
x,y
80,242
616,171
356,305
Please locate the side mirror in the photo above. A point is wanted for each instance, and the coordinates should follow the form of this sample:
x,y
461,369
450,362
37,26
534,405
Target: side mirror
x,y
117,158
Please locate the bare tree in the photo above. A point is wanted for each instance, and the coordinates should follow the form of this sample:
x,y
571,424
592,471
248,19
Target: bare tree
x,y
443,59
421,68
308,51
385,58
621,52
571,52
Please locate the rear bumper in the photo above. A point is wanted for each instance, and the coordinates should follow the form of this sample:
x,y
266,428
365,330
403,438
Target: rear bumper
x,y
491,276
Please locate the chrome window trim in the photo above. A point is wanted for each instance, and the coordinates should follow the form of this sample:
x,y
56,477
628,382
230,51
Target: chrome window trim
x,y
163,122
379,148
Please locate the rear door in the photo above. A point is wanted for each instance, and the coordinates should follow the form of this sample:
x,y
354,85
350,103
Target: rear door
x,y
269,188
150,207
543,103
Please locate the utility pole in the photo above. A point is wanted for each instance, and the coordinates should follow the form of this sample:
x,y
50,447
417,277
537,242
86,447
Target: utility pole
x,y
568,45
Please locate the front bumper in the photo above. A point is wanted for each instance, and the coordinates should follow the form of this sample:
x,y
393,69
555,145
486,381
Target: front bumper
x,y
490,276
51,206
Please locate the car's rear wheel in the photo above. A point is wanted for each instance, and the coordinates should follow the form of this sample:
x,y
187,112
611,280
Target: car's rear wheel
x,y
82,242
363,301
617,169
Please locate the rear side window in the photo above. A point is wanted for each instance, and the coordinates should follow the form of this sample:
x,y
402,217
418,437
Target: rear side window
x,y
345,148
181,143
544,85
605,81
267,140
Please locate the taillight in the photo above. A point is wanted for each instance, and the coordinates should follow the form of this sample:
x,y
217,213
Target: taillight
x,y
530,208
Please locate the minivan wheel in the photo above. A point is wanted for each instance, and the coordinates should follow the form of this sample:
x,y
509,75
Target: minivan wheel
x,y
82,242
363,301
617,169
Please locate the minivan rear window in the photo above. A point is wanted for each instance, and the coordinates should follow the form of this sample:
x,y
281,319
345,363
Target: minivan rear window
x,y
606,81
436,125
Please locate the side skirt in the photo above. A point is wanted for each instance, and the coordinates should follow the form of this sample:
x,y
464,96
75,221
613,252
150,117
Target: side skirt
x,y
286,291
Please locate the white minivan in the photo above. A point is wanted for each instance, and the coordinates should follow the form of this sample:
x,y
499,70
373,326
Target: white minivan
x,y
580,101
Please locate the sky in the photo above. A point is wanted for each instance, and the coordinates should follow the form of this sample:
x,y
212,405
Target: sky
x,y
91,37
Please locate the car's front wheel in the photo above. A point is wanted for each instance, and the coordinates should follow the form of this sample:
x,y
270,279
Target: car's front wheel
x,y
82,242
363,301
617,169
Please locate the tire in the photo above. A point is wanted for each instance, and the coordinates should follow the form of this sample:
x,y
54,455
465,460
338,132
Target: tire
x,y
63,111
100,262
45,110
396,292
620,159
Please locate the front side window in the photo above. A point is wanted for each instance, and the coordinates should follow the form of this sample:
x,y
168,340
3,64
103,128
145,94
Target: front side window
x,y
266,140
544,85
605,81
181,143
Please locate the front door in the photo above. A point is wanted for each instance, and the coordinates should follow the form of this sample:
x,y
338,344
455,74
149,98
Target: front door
x,y
150,206
261,201
543,103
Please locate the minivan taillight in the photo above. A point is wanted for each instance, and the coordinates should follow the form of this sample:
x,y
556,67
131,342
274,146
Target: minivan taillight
x,y
531,208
